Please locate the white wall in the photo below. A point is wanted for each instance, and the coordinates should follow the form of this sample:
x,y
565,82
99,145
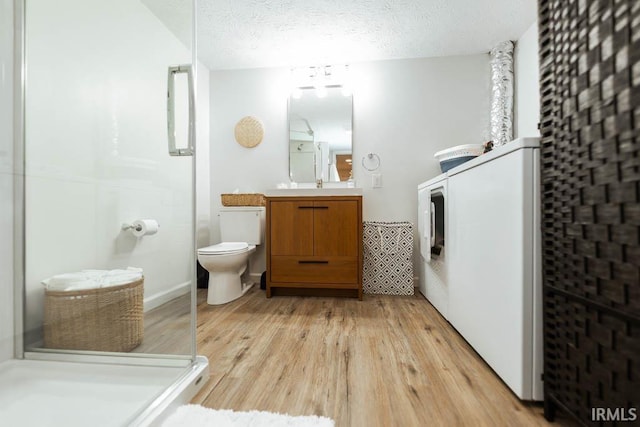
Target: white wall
x,y
235,94
96,148
6,179
527,84
404,111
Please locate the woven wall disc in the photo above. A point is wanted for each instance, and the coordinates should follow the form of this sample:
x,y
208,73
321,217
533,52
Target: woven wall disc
x,y
249,132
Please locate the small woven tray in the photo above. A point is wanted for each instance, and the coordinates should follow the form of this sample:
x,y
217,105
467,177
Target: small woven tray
x,y
248,199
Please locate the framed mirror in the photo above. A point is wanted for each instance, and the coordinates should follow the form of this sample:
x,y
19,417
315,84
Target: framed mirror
x,y
320,136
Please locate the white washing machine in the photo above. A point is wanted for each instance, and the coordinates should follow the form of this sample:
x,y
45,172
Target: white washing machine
x,y
432,228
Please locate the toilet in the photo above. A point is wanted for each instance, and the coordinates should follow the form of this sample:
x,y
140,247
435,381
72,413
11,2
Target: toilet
x,y
241,229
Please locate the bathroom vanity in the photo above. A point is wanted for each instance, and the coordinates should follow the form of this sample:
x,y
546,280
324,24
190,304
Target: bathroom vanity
x,y
314,243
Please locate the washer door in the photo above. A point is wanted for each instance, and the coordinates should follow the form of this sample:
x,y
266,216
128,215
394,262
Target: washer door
x,y
424,222
437,221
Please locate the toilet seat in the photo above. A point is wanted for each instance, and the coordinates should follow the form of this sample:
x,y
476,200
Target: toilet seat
x,y
225,248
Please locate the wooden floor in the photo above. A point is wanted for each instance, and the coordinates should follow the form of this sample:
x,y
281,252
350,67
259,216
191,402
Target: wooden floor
x,y
166,328
383,361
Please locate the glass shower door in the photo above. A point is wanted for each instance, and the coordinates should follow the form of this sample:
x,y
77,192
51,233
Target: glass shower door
x,y
109,178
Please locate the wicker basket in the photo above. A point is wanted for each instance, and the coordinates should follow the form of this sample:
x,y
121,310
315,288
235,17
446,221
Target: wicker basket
x,y
252,199
103,319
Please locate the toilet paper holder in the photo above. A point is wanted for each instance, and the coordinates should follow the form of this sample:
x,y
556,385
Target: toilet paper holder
x,y
142,227
136,227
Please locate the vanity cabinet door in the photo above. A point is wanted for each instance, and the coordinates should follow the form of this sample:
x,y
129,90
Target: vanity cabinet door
x,y
291,228
335,228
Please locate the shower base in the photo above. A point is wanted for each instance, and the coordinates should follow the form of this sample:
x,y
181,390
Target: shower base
x,y
47,393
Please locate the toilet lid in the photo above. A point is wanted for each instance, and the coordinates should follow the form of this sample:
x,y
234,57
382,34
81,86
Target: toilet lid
x,y
225,248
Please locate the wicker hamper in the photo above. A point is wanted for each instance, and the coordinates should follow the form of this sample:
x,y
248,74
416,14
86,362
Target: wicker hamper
x,y
103,319
250,199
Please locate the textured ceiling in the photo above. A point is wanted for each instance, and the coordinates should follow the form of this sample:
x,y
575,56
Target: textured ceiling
x,y
264,33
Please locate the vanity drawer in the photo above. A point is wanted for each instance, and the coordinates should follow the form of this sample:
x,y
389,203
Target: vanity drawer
x,y
287,269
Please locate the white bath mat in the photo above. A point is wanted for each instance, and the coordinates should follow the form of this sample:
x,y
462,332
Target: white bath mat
x,y
199,416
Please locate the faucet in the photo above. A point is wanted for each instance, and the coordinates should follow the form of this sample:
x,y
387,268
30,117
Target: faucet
x,y
319,183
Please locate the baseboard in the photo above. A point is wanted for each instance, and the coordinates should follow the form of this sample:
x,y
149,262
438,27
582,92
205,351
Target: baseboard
x,y
416,282
255,277
163,297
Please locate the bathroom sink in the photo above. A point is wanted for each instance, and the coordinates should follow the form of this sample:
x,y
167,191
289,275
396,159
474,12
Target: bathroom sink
x,y
297,192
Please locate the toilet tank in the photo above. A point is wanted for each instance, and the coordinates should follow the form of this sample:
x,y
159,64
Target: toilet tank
x,y
242,224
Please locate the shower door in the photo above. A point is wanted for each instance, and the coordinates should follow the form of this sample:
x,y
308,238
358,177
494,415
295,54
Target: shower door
x,y
108,140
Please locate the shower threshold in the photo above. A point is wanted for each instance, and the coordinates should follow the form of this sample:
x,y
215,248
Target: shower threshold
x,y
52,393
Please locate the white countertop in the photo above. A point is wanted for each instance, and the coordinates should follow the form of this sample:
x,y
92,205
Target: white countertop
x,y
310,192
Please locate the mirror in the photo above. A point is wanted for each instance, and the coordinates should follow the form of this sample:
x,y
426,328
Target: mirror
x,y
320,130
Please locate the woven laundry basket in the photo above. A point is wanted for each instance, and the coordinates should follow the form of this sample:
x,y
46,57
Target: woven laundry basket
x,y
248,199
102,319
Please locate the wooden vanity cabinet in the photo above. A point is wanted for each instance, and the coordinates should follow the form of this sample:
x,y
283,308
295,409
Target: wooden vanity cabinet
x,y
315,243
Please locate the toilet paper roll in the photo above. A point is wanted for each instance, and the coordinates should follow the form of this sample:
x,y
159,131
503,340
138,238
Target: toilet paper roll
x,y
145,227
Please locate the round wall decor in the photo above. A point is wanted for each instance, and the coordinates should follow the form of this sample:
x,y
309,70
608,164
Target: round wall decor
x,y
249,132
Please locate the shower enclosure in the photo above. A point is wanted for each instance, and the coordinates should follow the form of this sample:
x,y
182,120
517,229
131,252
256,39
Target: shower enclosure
x,y
104,135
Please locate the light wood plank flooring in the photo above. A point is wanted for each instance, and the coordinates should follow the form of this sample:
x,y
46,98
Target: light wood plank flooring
x,y
383,361
166,328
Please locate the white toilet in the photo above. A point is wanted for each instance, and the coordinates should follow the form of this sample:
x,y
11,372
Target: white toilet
x,y
241,229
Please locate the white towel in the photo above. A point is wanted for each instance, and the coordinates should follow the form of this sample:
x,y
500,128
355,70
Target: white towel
x,y
119,277
69,282
92,279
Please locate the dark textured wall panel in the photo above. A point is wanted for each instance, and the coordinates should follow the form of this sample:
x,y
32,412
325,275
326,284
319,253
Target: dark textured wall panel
x,y
590,160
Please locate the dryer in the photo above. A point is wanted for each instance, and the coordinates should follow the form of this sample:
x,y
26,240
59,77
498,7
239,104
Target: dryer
x,y
479,229
432,228
495,298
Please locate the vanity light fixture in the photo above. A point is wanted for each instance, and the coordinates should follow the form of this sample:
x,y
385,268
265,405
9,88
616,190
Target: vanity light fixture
x,y
320,78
